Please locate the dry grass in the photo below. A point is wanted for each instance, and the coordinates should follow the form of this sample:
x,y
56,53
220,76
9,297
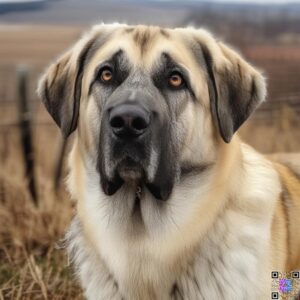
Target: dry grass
x,y
279,132
32,266
32,263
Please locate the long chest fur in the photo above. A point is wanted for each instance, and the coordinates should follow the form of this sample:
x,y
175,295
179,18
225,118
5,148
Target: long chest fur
x,y
227,264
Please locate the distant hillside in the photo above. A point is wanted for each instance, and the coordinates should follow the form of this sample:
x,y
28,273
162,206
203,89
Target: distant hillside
x,y
239,23
249,22
84,12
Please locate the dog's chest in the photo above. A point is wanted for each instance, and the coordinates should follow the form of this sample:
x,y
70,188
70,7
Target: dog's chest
x,y
139,275
224,266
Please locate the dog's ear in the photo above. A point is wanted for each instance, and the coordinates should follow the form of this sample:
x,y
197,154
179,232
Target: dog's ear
x,y
235,87
60,86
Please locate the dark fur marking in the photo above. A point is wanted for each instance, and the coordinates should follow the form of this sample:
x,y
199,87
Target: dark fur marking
x,y
55,75
119,63
253,93
142,39
129,30
77,86
176,293
115,284
233,99
212,86
58,69
45,95
61,98
164,33
167,65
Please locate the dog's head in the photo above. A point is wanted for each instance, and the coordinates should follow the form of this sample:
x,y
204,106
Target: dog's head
x,y
150,104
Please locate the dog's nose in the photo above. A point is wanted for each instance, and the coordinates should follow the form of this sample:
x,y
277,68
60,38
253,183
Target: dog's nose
x,y
129,120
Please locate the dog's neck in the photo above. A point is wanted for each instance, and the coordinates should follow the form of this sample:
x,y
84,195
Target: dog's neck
x,y
166,247
137,269
169,226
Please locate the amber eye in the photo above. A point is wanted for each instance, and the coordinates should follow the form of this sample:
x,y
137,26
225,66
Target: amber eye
x,y
106,75
176,80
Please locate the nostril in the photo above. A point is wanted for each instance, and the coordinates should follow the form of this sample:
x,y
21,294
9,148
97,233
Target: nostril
x,y
128,121
117,122
139,124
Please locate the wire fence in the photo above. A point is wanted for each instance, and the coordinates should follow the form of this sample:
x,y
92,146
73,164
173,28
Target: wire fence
x,y
20,114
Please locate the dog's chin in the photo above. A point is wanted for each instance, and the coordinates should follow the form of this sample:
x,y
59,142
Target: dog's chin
x,y
130,176
126,172
132,173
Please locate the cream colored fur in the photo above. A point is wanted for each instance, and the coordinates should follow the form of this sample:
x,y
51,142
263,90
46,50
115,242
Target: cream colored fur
x,y
213,238
217,247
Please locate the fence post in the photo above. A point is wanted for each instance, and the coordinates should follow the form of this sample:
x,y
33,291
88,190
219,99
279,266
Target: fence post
x,y
25,129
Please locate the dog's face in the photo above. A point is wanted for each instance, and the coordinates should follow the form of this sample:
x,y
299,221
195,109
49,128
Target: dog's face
x,y
150,105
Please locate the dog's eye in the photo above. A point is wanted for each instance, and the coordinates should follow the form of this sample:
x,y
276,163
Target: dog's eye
x,y
106,75
176,80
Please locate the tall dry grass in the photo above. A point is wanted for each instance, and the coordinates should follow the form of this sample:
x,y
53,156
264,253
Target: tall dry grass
x,y
278,131
32,263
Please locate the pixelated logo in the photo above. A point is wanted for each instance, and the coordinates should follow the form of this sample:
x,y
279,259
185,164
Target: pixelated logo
x,y
285,286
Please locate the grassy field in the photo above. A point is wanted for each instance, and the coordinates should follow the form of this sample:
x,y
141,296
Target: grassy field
x,y
33,264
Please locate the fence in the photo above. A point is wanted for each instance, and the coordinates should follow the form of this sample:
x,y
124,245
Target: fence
x,y
18,115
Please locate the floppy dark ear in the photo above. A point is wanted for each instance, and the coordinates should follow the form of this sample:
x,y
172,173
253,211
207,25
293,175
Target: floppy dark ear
x,y
60,86
235,88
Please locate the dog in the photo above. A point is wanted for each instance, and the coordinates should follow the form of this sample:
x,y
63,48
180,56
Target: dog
x,y
171,204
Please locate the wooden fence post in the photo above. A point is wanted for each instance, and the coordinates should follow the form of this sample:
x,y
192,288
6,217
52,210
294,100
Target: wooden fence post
x,y
25,129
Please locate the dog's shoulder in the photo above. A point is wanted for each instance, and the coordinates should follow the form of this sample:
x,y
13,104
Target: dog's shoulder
x,y
288,167
290,161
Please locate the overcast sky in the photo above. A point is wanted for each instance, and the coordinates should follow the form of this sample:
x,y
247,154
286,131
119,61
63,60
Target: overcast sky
x,y
243,1
260,1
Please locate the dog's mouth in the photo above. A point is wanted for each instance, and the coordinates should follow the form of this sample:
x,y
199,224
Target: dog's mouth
x,y
130,172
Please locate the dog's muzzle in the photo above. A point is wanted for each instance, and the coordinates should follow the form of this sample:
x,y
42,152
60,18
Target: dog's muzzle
x,y
129,124
134,147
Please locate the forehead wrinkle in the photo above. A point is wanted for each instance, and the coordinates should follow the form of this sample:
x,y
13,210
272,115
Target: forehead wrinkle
x,y
144,37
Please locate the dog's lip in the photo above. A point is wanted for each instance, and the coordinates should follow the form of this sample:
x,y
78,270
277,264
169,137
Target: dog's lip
x,y
130,170
130,174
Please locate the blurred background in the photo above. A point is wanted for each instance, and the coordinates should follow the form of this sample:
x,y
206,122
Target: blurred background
x,y
35,210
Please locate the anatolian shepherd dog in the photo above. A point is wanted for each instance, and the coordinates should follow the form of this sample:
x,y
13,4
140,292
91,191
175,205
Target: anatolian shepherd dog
x,y
170,203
